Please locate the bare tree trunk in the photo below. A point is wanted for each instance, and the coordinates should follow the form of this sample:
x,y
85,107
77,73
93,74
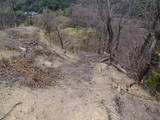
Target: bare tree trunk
x,y
120,27
104,9
60,37
99,44
110,35
110,30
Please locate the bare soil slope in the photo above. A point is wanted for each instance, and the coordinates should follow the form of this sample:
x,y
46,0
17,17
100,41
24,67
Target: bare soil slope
x,y
86,90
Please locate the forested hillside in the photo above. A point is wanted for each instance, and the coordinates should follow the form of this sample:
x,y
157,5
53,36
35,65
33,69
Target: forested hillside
x,y
39,5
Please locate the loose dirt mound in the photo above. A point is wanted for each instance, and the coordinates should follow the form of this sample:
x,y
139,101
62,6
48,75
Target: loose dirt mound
x,y
32,63
24,72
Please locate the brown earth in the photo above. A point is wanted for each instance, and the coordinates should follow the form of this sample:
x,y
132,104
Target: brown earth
x,y
86,89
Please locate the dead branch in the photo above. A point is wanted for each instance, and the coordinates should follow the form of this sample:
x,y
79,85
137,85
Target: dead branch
x,y
5,115
119,68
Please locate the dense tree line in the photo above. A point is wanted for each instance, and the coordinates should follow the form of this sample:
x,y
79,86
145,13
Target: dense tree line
x,y
39,5
12,11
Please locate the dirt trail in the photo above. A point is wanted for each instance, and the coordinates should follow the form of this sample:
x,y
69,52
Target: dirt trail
x,y
89,90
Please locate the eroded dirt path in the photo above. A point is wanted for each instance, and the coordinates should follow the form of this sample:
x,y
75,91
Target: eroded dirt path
x,y
88,90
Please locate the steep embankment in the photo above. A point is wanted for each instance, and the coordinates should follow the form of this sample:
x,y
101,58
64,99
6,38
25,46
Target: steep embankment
x,y
85,90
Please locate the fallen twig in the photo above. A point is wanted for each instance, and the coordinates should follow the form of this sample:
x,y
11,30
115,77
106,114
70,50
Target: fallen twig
x,y
119,68
105,59
5,115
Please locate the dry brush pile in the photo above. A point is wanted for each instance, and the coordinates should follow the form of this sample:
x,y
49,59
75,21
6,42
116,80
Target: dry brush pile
x,y
24,68
23,71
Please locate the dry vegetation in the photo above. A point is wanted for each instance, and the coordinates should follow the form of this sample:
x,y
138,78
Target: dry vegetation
x,y
23,71
23,68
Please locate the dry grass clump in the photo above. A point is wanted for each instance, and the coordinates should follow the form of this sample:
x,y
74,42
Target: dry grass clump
x,y
24,72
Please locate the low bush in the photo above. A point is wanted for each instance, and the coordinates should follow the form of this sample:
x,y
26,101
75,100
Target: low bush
x,y
153,79
28,21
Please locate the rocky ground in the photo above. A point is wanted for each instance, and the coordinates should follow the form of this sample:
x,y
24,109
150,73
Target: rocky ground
x,y
80,87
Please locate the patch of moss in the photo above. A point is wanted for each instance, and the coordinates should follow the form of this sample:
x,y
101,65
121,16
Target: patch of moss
x,y
153,79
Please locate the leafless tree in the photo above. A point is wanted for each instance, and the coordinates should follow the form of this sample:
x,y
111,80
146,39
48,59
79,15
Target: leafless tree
x,y
7,13
12,4
110,11
143,58
105,15
100,15
47,20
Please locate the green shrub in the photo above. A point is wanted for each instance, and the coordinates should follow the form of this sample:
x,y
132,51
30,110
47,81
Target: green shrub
x,y
28,21
153,79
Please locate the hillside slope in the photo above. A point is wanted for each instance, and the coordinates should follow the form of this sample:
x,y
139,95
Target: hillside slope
x,y
85,88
